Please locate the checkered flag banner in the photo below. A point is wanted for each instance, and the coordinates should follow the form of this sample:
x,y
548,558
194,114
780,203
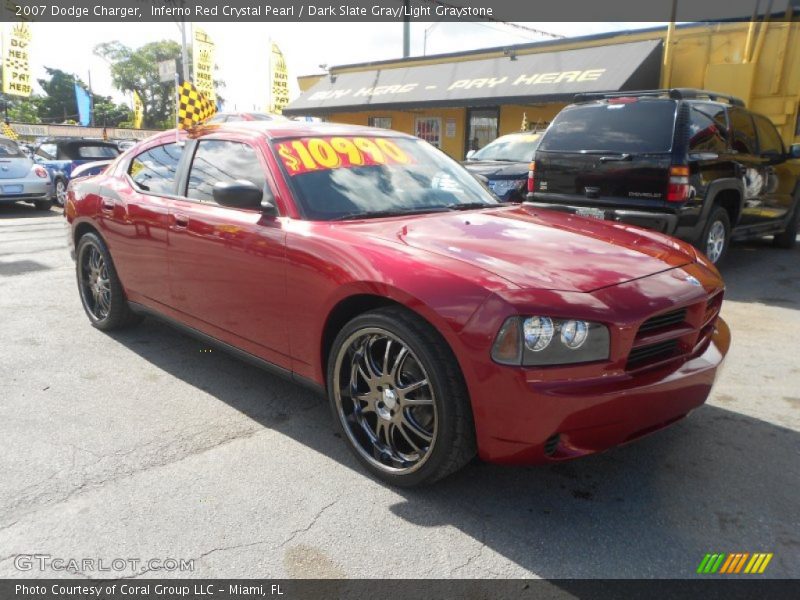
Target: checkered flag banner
x,y
193,107
9,133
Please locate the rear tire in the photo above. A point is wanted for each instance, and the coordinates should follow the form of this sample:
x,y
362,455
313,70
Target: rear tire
x,y
43,205
399,399
716,235
100,289
788,239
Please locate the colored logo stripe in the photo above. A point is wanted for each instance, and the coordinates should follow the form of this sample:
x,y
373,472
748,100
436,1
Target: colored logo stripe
x,y
734,563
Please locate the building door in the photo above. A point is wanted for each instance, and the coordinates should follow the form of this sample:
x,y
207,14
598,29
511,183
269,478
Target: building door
x,y
482,127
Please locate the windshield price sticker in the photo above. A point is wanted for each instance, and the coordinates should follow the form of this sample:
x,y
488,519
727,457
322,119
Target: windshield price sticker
x,y
318,154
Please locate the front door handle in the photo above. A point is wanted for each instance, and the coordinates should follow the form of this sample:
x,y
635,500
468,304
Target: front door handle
x,y
181,221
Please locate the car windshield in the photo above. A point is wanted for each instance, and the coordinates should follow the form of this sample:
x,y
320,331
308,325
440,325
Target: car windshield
x,y
510,148
10,149
624,125
368,176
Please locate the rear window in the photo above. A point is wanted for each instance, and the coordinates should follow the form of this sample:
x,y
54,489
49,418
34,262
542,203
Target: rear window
x,y
636,127
98,152
9,149
337,177
510,148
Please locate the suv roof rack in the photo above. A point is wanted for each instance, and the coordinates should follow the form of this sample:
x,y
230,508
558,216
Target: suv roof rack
x,y
674,93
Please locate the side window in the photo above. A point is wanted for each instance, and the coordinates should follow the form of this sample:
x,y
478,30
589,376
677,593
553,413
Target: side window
x,y
154,170
47,151
769,140
744,132
220,160
707,132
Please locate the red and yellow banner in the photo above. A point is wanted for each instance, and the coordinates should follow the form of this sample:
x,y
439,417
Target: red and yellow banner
x,y
323,153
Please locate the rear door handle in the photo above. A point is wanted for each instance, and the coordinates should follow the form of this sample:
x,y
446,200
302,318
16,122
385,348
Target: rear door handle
x,y
181,221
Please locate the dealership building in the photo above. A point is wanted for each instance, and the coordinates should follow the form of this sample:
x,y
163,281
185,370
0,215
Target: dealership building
x,y
462,101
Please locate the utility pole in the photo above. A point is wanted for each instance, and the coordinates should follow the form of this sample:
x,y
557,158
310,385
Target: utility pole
x,y
91,99
184,53
406,28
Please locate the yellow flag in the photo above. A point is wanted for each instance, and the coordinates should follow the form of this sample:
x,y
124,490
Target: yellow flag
x,y
9,133
193,106
138,110
16,61
203,60
279,81
524,126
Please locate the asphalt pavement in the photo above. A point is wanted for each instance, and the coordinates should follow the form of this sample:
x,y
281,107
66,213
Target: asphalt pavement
x,y
145,445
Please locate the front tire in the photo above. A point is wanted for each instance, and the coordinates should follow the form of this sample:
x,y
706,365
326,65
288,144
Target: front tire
x,y
43,205
716,235
100,289
399,398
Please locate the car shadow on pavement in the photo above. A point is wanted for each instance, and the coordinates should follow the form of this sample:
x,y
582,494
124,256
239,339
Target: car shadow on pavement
x,y
719,481
756,271
25,211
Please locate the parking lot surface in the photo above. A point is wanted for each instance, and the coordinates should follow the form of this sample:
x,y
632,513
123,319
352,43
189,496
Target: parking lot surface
x,y
148,444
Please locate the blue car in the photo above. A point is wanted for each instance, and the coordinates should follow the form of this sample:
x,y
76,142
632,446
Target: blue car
x,y
61,156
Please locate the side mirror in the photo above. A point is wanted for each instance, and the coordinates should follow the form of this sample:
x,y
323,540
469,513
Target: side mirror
x,y
470,154
794,151
237,194
268,207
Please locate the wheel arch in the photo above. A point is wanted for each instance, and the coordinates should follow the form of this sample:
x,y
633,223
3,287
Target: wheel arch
x,y
357,302
728,193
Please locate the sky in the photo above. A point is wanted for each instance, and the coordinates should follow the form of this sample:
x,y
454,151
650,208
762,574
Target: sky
x,y
242,48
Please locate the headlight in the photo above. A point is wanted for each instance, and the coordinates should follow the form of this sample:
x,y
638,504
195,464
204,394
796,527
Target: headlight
x,y
542,340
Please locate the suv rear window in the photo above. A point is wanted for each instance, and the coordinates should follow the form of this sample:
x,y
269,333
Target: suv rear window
x,y
621,126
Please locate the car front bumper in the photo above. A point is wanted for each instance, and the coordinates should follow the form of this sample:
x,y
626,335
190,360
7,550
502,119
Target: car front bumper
x,y
545,421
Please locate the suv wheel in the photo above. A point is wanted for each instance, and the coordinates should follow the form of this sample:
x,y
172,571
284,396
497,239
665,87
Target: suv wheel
x,y
101,291
399,398
716,235
788,239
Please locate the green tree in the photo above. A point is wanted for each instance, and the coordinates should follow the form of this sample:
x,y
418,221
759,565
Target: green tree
x,y
136,70
58,104
23,110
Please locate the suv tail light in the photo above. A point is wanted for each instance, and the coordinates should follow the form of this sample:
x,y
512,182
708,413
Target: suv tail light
x,y
531,176
678,187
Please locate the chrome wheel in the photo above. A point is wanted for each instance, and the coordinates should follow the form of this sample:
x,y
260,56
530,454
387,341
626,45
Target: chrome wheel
x,y
95,285
385,401
61,192
715,242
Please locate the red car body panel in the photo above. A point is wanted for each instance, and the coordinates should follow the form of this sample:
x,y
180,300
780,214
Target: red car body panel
x,y
269,285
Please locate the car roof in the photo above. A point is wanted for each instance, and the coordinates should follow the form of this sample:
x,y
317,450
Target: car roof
x,y
284,129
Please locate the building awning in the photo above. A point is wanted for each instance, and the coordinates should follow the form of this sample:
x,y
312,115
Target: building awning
x,y
523,79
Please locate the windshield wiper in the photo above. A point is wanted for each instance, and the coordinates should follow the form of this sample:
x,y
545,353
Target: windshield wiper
x,y
473,205
374,214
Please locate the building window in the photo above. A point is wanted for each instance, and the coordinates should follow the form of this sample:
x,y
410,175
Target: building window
x,y
382,122
430,130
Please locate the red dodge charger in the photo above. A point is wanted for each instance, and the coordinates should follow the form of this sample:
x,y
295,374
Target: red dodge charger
x,y
369,265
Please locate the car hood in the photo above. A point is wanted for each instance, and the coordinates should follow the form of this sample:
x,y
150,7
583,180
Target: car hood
x,y
538,249
495,169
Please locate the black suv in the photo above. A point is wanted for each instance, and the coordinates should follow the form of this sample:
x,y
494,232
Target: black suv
x,y
690,163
